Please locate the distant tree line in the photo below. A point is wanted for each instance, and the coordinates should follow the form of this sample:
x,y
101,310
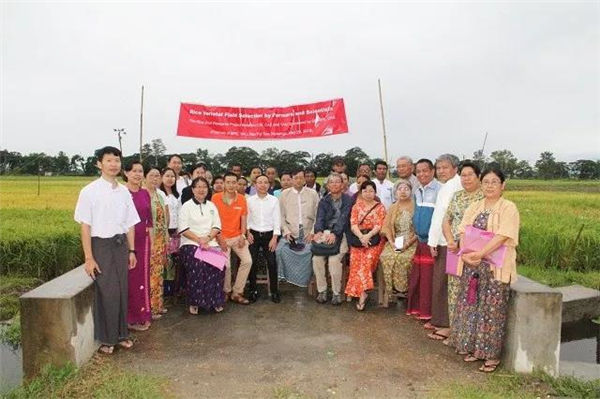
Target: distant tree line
x,y
155,153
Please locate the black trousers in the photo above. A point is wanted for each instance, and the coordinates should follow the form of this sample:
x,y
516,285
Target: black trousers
x,y
111,294
261,241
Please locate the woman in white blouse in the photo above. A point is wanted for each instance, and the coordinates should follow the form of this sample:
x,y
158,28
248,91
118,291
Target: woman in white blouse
x,y
199,225
173,284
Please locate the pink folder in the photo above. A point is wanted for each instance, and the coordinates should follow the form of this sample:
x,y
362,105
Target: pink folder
x,y
475,239
452,262
213,256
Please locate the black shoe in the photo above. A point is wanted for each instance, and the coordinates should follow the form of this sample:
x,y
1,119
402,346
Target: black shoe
x,y
322,297
253,297
275,297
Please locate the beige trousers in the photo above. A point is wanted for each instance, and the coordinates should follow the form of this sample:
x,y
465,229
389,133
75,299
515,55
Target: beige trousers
x,y
335,269
243,270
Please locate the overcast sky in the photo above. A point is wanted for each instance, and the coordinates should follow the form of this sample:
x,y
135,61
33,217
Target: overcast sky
x,y
527,73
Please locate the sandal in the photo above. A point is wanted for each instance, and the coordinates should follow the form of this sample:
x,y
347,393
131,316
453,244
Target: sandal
x,y
470,359
106,349
126,344
164,311
436,337
360,305
219,309
156,316
489,366
139,327
237,298
193,310
429,326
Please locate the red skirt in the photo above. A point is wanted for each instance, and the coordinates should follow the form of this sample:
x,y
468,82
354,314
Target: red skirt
x,y
420,283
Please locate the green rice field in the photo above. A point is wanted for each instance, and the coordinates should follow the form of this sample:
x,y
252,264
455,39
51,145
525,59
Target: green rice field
x,y
560,228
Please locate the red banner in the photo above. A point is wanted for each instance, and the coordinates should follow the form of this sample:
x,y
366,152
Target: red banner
x,y
324,118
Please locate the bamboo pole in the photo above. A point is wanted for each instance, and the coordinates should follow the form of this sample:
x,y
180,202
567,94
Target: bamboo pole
x,y
141,123
385,151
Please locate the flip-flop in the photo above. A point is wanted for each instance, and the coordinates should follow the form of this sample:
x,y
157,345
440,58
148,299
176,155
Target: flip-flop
x,y
429,326
470,359
106,349
126,344
489,368
138,327
219,309
239,299
436,337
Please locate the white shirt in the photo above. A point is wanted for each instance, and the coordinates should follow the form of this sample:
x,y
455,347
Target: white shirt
x,y
436,236
353,189
385,192
299,202
174,205
200,219
108,209
181,184
263,214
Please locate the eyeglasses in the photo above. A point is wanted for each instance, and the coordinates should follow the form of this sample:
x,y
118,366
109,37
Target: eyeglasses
x,y
491,183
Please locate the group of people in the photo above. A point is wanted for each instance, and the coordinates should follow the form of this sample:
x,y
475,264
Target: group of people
x,y
161,220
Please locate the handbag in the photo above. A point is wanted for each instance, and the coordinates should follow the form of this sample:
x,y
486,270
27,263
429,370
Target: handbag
x,y
173,246
324,249
354,241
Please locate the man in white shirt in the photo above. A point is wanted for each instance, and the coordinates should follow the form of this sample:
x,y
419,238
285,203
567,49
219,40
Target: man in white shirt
x,y
446,167
298,206
405,168
264,227
107,216
385,188
363,169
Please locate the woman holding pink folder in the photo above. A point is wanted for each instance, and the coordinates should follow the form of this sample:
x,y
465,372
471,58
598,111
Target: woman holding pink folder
x,y
469,178
479,322
199,224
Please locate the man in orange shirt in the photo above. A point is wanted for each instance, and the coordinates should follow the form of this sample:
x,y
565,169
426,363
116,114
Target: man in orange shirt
x,y
233,212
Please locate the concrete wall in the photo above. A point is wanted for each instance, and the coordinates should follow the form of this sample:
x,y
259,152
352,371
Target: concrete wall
x,y
57,323
533,328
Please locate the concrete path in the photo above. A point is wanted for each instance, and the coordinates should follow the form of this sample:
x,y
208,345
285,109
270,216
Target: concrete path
x,y
297,348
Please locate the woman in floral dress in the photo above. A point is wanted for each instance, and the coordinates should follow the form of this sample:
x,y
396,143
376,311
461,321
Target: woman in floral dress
x,y
160,239
479,324
396,262
366,220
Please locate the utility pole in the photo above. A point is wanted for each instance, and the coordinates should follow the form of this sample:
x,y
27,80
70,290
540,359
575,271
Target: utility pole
x,y
120,133
141,122
385,151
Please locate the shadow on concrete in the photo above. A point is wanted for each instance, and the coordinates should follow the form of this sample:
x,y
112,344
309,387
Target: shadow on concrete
x,y
297,348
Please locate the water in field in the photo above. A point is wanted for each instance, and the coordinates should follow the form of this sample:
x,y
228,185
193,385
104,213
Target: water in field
x,y
580,342
11,367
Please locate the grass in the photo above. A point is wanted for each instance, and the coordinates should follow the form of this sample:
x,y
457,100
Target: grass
x,y
590,186
559,278
519,386
11,333
100,378
11,288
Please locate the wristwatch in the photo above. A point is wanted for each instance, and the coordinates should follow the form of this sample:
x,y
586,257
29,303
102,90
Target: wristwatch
x,y
132,251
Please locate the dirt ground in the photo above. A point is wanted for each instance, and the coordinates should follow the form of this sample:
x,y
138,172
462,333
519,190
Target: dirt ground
x,y
295,349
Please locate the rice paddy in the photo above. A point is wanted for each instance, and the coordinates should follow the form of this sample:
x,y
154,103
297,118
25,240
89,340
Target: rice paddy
x,y
560,227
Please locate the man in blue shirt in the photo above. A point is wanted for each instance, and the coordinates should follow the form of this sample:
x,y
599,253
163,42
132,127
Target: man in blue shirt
x,y
421,275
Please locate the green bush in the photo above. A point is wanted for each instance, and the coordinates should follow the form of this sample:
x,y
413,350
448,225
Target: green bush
x,y
38,243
